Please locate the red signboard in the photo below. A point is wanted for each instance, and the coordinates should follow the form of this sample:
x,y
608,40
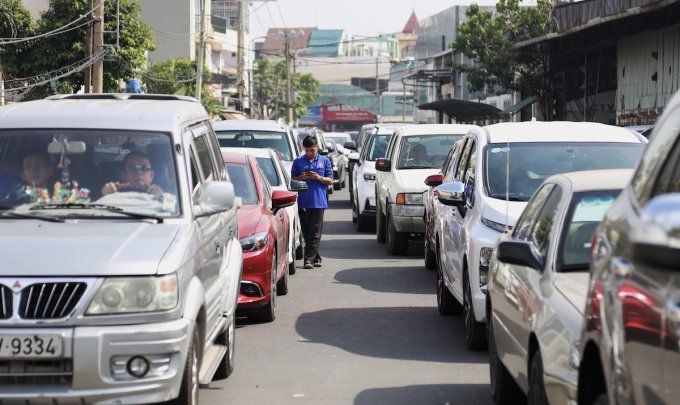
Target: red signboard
x,y
345,113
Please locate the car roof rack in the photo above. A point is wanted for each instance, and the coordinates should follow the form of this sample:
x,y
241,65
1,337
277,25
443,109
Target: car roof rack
x,y
121,96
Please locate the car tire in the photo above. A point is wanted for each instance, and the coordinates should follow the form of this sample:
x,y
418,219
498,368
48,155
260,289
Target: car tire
x,y
364,223
291,268
397,242
603,399
268,312
282,285
504,389
380,225
300,251
430,258
343,179
446,303
536,394
337,186
355,213
475,332
227,338
188,391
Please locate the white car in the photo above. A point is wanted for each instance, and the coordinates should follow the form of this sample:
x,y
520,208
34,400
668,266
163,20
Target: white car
x,y
414,152
538,283
488,198
363,203
279,179
259,134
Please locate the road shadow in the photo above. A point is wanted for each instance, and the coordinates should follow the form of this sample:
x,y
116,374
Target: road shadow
x,y
362,248
477,394
339,204
403,333
405,280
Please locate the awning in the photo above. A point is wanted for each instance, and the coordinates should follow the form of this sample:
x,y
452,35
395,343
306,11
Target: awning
x,y
514,109
463,110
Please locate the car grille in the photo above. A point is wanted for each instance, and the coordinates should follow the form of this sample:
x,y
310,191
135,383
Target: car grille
x,y
50,300
36,372
5,302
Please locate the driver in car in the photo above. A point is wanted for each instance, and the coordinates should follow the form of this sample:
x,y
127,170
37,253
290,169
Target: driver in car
x,y
36,170
137,175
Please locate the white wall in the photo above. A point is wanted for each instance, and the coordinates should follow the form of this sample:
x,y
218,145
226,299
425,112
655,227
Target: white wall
x,y
173,27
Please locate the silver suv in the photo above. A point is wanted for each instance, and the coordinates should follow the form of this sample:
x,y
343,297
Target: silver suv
x,y
121,263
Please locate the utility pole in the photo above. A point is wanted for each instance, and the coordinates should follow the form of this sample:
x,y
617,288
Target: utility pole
x,y
289,86
98,45
88,47
240,53
201,53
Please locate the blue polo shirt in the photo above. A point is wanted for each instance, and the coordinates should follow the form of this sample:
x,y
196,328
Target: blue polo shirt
x,y
315,195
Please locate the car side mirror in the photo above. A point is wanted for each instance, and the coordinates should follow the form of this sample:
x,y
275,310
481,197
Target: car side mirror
x,y
283,199
452,194
434,180
383,165
297,185
323,151
656,243
215,197
330,147
519,253
350,145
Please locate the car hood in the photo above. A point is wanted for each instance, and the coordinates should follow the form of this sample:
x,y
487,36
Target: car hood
x,y
413,180
248,218
574,287
495,210
85,248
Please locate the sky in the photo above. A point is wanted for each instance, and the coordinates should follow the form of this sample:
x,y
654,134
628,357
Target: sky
x,y
358,17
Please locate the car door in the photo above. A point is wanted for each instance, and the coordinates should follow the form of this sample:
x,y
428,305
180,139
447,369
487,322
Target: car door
x,y
433,207
281,224
386,178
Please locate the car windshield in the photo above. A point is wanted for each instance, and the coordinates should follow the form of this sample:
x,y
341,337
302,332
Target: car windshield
x,y
531,163
377,147
269,170
244,183
585,212
100,172
425,151
338,139
256,139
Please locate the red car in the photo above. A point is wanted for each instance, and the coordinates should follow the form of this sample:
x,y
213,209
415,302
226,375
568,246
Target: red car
x,y
263,233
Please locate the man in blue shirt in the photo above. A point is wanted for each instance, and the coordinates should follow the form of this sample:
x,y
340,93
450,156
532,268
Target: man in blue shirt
x,y
317,172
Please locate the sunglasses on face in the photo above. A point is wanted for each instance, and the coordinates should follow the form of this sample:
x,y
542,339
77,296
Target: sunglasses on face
x,y
138,168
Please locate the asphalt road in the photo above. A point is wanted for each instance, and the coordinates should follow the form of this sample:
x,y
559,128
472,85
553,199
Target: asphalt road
x,y
362,329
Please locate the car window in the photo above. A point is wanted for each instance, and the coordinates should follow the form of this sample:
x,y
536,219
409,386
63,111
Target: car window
x,y
668,180
205,160
528,217
217,154
377,147
244,183
455,156
195,174
462,162
545,223
392,146
424,151
269,170
257,139
266,189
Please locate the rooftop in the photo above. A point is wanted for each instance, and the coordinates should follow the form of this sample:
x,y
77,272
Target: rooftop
x,y
252,125
559,131
596,179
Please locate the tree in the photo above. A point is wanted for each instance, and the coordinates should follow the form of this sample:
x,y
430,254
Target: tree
x,y
54,52
178,76
15,22
489,40
269,89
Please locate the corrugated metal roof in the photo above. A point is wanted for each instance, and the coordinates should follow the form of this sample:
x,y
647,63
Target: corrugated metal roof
x,y
325,43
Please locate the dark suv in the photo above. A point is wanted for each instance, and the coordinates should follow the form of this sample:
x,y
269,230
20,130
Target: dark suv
x,y
630,343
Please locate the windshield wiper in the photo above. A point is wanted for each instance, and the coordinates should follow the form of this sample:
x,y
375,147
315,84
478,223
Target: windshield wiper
x,y
103,207
415,167
6,213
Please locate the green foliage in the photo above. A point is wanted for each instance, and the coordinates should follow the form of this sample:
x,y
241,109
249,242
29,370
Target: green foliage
x,y
269,89
15,22
488,39
177,76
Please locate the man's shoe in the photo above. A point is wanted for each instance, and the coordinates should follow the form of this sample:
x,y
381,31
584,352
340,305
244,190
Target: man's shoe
x,y
308,265
317,264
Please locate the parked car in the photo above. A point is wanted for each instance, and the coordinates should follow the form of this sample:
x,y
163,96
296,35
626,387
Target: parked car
x,y
363,203
353,135
355,151
259,134
323,149
278,177
537,287
340,138
488,198
121,263
263,229
339,164
629,344
414,152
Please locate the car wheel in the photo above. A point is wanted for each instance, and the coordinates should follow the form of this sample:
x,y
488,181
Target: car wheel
x,y
475,332
282,285
300,251
188,391
337,186
364,223
536,395
380,225
430,258
343,179
504,389
603,399
268,312
227,338
330,189
291,268
446,302
355,213
397,242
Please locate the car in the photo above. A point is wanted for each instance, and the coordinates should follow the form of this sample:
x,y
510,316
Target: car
x,y
323,150
263,229
414,152
629,341
339,161
644,130
259,134
120,250
491,179
278,177
363,203
353,135
538,280
340,138
355,150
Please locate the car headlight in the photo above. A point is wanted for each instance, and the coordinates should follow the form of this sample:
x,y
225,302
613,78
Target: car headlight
x,y
369,177
410,198
121,295
502,228
254,242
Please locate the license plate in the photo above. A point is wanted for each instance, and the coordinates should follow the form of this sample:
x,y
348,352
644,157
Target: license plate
x,y
30,346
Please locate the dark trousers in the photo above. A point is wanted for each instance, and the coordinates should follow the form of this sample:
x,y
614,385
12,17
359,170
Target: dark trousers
x,y
311,222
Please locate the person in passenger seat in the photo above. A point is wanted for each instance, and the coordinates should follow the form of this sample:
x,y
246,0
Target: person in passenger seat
x,y
36,170
137,175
